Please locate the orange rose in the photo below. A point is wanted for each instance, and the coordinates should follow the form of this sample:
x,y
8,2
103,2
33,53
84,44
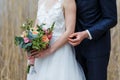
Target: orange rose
x,y
45,38
35,32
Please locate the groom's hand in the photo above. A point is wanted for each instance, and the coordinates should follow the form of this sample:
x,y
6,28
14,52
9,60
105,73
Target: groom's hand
x,y
76,38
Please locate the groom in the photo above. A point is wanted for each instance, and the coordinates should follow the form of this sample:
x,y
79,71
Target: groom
x,y
92,37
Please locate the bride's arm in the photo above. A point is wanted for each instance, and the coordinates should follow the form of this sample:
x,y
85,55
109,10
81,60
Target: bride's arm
x,y
70,20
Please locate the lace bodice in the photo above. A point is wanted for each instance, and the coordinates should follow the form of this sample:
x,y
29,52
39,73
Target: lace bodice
x,y
54,14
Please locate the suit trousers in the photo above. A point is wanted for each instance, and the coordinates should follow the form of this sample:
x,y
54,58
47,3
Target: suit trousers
x,y
94,68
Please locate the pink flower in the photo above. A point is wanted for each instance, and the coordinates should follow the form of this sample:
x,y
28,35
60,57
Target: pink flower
x,y
26,40
44,29
49,36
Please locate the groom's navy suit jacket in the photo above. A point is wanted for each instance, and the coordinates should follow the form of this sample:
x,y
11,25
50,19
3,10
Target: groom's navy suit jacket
x,y
97,16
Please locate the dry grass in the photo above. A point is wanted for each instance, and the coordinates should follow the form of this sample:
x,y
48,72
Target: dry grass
x,y
114,66
13,61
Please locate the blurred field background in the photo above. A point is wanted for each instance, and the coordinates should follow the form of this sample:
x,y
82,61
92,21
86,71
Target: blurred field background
x,y
13,61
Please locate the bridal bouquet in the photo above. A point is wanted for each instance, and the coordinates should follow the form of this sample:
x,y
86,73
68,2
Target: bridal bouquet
x,y
34,38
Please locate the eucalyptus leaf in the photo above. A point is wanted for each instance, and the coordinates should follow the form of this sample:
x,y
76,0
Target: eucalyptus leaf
x,y
27,45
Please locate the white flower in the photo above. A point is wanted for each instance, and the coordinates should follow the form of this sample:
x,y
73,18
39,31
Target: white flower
x,y
24,34
31,29
23,25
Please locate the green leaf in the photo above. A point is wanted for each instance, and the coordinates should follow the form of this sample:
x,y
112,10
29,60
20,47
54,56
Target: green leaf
x,y
25,46
28,68
27,25
18,40
52,27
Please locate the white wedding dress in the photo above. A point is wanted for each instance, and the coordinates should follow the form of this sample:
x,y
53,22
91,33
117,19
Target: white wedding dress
x,y
62,64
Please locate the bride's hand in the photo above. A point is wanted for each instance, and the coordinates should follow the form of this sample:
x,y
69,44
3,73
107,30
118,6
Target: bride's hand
x,y
41,54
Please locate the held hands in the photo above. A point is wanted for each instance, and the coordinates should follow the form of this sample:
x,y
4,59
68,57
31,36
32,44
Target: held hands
x,y
76,38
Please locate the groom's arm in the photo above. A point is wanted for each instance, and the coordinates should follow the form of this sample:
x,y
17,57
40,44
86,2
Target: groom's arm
x,y
108,20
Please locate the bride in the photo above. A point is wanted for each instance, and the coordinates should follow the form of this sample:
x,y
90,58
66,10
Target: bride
x,y
58,62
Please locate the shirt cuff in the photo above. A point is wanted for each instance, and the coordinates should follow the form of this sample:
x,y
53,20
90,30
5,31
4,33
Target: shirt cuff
x,y
90,37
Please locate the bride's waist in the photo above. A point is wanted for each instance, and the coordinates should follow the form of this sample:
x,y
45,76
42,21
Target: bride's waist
x,y
56,34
